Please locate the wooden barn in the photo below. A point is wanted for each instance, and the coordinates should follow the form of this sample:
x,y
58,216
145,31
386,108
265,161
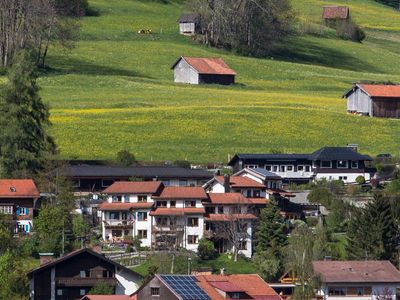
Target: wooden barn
x,y
374,100
332,14
196,70
188,24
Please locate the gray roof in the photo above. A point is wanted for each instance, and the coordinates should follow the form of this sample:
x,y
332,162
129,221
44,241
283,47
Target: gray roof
x,y
136,171
188,18
265,173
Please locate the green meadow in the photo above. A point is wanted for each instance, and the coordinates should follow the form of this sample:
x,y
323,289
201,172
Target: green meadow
x,y
115,89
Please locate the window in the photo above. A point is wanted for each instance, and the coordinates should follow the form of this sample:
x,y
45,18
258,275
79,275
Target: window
x,y
114,215
161,221
183,182
248,193
59,292
326,164
243,245
275,168
342,164
193,239
142,216
220,209
116,199
354,164
82,274
289,168
166,182
337,291
155,291
256,194
172,203
82,292
281,168
235,295
142,234
308,168
190,203
116,233
24,211
124,216
126,198
8,210
251,166
142,198
75,183
161,203
106,182
300,168
210,210
268,167
106,274
193,222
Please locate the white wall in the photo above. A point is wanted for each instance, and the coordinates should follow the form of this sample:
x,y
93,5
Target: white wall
x,y
128,282
184,73
377,289
186,28
351,177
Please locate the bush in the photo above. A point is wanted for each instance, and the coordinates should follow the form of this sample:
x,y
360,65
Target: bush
x,y
320,195
360,179
101,288
206,249
182,163
125,158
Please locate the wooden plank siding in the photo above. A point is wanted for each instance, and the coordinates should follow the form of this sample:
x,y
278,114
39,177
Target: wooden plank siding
x,y
386,108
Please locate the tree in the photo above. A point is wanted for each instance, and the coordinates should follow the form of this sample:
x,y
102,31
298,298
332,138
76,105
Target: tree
x,y
360,179
101,288
24,118
13,280
125,158
373,231
206,249
252,27
80,229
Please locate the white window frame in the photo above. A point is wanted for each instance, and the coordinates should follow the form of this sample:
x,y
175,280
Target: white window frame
x,y
309,168
301,166
330,164
196,239
82,292
275,167
141,213
251,166
287,170
152,288
354,161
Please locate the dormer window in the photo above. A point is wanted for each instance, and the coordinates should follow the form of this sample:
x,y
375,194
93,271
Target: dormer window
x,y
326,164
235,295
354,164
13,189
342,164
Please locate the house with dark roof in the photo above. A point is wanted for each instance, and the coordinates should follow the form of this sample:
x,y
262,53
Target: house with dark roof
x,y
342,280
188,24
374,100
92,178
207,287
73,275
331,163
200,70
18,201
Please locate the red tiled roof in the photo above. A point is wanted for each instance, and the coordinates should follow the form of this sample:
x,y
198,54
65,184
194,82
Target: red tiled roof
x,y
252,284
163,211
107,297
258,200
226,286
225,218
240,182
381,90
125,206
133,187
356,271
182,192
228,198
209,65
335,12
18,188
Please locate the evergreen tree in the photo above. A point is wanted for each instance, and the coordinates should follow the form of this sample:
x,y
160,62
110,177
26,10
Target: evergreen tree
x,y
373,231
24,142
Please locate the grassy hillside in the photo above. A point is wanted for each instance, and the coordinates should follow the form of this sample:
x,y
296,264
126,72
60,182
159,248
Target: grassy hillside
x,y
115,91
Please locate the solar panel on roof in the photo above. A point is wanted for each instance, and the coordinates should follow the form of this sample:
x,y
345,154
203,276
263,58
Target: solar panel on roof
x,y
185,287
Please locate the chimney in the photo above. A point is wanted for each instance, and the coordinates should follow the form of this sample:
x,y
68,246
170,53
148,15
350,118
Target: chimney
x,y
46,258
227,187
222,271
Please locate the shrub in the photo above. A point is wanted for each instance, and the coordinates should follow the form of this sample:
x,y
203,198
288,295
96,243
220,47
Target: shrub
x,y
360,179
182,163
101,288
320,195
206,249
125,158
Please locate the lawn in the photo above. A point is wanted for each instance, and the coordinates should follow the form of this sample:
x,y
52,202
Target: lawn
x,y
115,91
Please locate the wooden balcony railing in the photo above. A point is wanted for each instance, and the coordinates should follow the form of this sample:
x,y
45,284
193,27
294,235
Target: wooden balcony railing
x,y
77,281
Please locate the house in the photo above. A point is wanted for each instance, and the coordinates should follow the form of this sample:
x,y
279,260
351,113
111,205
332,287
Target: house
x,y
331,163
206,287
161,216
73,275
188,24
17,200
93,178
198,70
374,100
335,13
342,280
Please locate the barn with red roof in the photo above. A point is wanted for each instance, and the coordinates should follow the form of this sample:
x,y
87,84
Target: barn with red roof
x,y
199,70
374,100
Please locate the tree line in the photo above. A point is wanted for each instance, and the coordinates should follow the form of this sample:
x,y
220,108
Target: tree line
x,y
35,25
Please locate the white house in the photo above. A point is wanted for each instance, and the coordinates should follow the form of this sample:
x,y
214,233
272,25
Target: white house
x,y
351,280
188,24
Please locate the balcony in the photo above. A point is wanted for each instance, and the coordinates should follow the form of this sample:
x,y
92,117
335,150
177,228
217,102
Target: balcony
x,y
167,228
83,282
118,224
292,174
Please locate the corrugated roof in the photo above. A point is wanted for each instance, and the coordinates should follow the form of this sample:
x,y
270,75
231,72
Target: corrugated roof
x,y
133,187
203,65
335,12
106,206
381,90
182,192
188,18
356,271
18,188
